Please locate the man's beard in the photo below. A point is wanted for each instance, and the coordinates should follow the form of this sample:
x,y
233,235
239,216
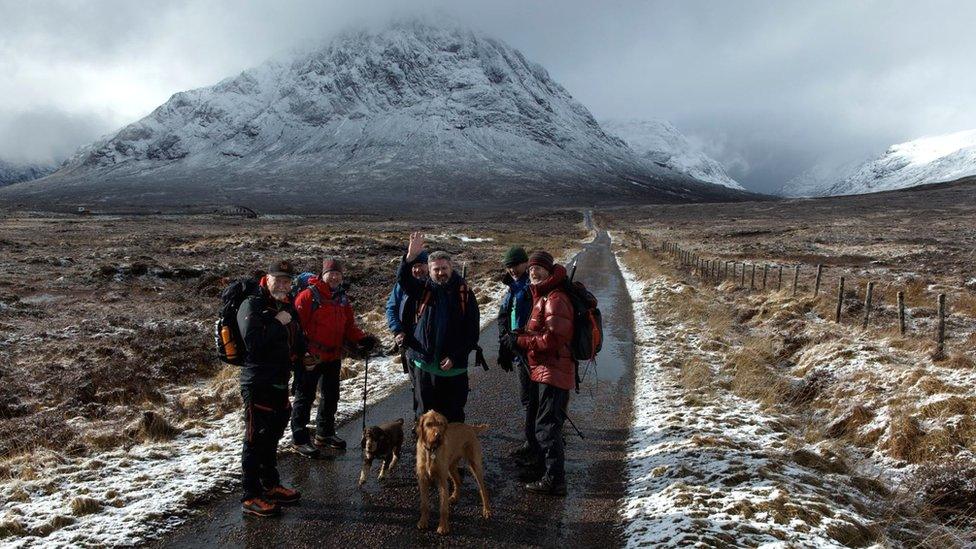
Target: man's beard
x,y
280,296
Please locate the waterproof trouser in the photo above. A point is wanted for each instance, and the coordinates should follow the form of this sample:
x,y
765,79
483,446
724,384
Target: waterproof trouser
x,y
266,411
529,395
324,380
445,394
549,429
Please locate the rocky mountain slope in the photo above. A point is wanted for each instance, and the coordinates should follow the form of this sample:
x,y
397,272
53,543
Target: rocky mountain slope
x,y
410,115
927,160
662,144
15,172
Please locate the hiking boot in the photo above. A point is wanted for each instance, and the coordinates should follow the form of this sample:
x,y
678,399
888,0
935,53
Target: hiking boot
x,y
330,441
547,486
531,461
260,507
308,450
281,495
524,451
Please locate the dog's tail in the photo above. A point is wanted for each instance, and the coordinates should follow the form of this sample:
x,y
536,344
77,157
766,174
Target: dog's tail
x,y
480,427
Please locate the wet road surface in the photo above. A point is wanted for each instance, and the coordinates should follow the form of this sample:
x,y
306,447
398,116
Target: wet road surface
x,y
335,512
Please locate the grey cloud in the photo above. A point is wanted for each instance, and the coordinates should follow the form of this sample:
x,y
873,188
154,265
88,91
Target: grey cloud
x,y
47,135
769,88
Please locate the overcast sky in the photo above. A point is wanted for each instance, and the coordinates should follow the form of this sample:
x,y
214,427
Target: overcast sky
x,y
766,87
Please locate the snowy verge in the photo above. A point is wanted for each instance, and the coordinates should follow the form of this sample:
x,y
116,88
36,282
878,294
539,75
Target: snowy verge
x,y
131,496
714,469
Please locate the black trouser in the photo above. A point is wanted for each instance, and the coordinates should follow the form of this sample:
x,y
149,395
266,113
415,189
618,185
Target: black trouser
x,y
266,410
410,369
529,394
445,394
549,429
324,379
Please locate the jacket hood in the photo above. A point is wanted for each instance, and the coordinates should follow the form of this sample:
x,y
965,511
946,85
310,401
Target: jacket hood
x,y
554,281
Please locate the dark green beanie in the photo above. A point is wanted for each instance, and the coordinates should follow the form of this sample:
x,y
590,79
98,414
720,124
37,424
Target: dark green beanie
x,y
515,256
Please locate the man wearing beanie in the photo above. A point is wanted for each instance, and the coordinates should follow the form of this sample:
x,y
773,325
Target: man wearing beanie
x,y
545,344
399,319
274,346
328,320
512,317
445,331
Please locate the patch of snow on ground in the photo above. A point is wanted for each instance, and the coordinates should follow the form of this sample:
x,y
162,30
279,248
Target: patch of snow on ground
x,y
149,489
715,470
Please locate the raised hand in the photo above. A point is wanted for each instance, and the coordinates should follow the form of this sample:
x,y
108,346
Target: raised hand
x,y
415,246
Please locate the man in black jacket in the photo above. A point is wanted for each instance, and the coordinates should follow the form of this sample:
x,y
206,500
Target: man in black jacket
x,y
274,347
445,331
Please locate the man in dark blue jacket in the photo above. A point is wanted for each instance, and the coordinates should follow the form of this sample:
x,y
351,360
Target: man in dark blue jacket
x,y
445,331
274,347
399,319
512,316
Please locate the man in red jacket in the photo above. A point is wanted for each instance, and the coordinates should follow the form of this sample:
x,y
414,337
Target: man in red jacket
x,y
545,343
327,318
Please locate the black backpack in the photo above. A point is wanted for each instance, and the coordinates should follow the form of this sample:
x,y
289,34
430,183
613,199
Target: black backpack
x,y
227,336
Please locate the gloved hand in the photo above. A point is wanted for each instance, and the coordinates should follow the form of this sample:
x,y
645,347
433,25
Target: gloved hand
x,y
368,343
284,317
505,359
509,341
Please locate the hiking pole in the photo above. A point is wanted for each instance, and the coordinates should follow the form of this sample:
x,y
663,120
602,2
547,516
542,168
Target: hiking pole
x,y
578,432
365,378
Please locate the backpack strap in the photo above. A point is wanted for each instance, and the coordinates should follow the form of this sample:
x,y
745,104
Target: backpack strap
x,y
463,296
316,297
422,306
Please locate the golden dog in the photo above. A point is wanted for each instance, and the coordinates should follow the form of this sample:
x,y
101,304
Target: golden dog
x,y
440,447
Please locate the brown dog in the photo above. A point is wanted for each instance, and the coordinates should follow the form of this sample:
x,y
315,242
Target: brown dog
x,y
440,447
383,442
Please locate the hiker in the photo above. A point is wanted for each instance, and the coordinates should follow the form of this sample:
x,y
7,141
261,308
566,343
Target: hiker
x,y
399,319
513,314
445,331
546,345
328,320
274,346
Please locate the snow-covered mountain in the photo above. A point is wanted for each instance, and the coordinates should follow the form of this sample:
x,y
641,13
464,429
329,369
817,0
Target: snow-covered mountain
x,y
15,172
661,143
927,160
413,114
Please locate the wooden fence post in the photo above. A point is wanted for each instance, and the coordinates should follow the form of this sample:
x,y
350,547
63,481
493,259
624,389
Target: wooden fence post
x,y
901,312
742,282
840,299
867,304
940,351
752,279
765,273
816,286
796,278
779,282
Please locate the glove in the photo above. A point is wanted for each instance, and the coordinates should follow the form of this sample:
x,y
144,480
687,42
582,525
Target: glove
x,y
284,317
509,342
505,358
368,343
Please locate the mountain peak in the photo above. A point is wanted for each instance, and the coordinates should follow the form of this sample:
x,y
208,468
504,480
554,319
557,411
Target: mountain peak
x,y
409,114
659,142
930,159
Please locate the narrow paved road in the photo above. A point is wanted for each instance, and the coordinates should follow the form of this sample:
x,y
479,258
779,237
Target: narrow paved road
x,y
334,512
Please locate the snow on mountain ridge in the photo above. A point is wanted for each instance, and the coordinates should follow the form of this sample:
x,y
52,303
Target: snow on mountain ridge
x,y
660,142
413,111
930,159
15,172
